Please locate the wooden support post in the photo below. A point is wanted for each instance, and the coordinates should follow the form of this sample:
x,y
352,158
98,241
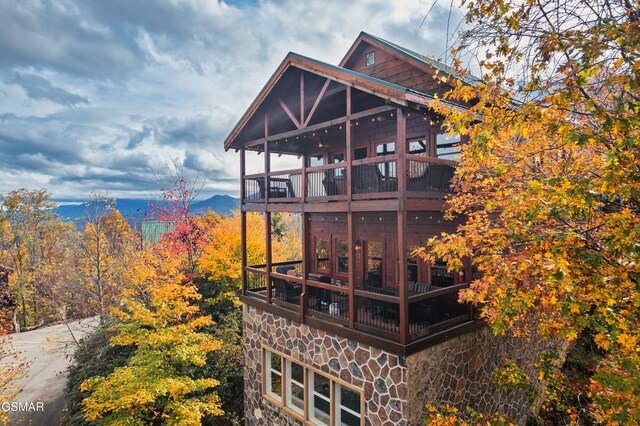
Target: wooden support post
x,y
267,215
243,169
306,250
401,148
243,223
305,240
267,225
351,237
267,159
302,121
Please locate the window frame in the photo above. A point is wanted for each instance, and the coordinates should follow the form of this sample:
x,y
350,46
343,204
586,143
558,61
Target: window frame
x,y
306,416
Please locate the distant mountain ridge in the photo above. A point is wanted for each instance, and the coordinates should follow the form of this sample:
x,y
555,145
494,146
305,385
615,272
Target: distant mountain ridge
x,y
138,209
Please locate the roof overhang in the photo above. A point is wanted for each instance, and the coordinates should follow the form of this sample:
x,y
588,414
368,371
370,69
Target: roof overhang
x,y
394,93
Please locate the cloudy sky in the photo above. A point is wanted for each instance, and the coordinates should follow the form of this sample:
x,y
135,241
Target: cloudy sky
x,y
100,95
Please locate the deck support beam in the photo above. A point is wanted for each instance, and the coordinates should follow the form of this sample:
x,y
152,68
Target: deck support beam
x,y
401,147
351,237
243,223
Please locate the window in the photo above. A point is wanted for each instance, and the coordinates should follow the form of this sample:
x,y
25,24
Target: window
x,y
386,149
370,58
273,373
418,147
448,147
360,153
375,253
316,160
342,256
295,386
322,254
320,401
338,158
440,277
412,265
311,395
347,406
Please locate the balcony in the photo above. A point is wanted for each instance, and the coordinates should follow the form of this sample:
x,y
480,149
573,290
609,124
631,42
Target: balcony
x,y
372,178
375,309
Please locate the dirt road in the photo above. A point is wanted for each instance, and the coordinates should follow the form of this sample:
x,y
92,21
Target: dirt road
x,y
49,351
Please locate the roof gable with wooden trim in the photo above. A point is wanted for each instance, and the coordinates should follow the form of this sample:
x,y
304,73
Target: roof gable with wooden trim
x,y
399,65
321,74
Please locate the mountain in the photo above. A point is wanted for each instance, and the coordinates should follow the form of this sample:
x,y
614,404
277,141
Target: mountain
x,y
133,209
222,204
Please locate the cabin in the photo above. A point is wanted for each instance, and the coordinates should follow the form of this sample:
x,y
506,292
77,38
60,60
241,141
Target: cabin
x,y
356,329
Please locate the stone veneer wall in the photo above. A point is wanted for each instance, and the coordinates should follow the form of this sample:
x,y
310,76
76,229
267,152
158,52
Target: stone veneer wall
x,y
458,372
381,375
396,388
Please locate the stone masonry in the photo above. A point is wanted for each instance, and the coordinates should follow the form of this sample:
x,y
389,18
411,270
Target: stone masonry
x,y
396,388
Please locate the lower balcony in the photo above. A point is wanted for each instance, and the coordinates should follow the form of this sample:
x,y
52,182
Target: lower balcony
x,y
376,309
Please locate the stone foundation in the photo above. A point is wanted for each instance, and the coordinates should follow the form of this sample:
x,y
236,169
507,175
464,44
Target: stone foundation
x,y
395,388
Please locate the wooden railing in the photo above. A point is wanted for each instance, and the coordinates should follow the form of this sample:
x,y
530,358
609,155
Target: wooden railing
x,y
377,310
370,177
328,301
284,185
436,310
429,175
374,175
327,181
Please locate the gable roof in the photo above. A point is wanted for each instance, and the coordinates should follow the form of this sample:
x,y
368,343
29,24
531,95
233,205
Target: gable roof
x,y
417,59
398,94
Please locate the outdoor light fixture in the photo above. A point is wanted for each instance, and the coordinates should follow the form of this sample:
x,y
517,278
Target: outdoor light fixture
x,y
358,245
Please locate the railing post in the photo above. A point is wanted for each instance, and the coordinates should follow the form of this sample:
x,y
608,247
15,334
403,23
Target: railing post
x,y
401,146
243,222
351,238
305,261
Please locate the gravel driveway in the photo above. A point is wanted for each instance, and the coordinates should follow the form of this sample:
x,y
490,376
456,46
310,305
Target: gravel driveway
x,y
49,351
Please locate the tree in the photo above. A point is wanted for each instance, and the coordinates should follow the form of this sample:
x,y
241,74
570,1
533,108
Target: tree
x,y
160,320
103,251
222,252
550,182
29,234
178,193
12,366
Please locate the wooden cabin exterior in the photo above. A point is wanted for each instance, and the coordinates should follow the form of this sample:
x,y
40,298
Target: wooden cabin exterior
x,y
372,172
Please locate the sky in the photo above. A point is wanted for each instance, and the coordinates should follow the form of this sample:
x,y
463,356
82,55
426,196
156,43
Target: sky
x,y
101,95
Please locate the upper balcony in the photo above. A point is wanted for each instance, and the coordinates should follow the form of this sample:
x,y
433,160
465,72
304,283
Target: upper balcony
x,y
366,164
371,178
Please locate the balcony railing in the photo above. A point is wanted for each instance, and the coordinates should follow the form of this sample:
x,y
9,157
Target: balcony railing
x,y
376,177
327,181
283,186
377,310
428,175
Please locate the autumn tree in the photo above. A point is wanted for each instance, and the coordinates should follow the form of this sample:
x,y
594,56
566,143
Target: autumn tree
x,y
12,366
103,252
550,183
30,235
160,320
222,252
179,190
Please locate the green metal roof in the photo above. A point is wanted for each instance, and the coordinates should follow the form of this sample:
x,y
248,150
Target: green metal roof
x,y
152,230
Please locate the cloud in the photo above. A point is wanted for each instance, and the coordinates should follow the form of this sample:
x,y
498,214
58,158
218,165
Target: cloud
x,y
41,89
98,94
